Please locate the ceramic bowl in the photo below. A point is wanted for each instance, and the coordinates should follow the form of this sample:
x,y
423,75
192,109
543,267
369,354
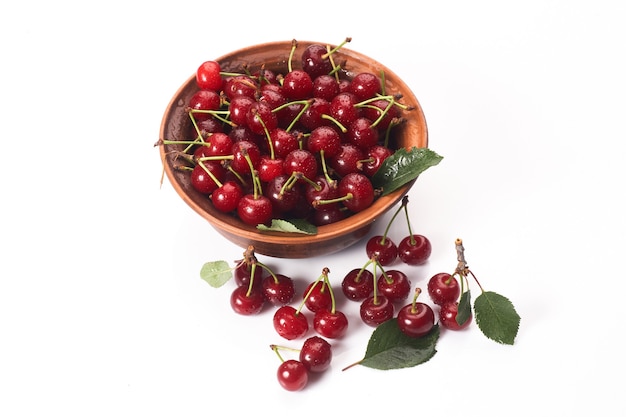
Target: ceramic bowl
x,y
329,238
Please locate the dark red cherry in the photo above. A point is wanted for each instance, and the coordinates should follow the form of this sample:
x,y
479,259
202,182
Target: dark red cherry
x,y
332,325
447,317
383,248
292,375
416,319
395,285
245,303
414,249
375,311
316,354
278,289
358,284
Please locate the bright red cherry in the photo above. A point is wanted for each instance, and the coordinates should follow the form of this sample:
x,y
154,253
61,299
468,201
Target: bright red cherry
x,y
226,197
316,354
292,375
208,76
414,249
360,189
317,296
290,323
443,288
332,325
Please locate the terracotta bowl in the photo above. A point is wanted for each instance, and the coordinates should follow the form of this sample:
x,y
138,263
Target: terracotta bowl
x,y
329,238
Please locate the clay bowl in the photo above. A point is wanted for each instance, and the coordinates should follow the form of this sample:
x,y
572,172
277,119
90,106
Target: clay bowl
x,y
329,238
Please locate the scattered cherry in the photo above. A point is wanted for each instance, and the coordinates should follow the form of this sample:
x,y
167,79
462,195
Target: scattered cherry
x,y
394,284
414,249
278,289
290,323
416,319
358,284
443,288
292,375
247,300
316,354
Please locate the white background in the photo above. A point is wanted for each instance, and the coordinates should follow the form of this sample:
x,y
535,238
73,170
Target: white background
x,y
102,311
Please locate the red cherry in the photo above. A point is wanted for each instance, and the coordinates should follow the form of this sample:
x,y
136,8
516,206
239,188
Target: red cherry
x,y
414,249
290,323
358,284
332,325
443,288
317,296
447,317
376,310
254,210
226,197
292,375
208,76
316,354
396,286
383,248
245,303
416,319
361,190
278,289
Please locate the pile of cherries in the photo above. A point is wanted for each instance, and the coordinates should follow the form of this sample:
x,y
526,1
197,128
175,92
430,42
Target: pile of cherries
x,y
302,144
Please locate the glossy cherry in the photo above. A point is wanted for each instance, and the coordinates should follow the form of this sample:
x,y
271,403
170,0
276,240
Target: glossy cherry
x,y
247,301
317,296
414,249
394,284
416,319
358,284
278,289
316,354
376,310
383,248
208,76
332,324
290,323
292,375
443,288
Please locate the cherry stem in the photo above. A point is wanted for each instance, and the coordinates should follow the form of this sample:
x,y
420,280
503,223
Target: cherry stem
x,y
335,200
418,291
330,291
331,182
404,203
270,145
294,45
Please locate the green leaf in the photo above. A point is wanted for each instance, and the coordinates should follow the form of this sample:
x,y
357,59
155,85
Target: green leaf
x,y
496,317
389,348
403,167
290,226
464,310
216,273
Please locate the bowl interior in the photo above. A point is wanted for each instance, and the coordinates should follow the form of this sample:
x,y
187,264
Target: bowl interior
x,y
330,238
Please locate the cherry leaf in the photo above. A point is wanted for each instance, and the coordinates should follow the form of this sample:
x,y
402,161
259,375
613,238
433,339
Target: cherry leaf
x,y
464,310
290,226
216,273
496,317
403,167
389,348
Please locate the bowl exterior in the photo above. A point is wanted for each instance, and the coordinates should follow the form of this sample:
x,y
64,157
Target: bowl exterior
x,y
330,238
